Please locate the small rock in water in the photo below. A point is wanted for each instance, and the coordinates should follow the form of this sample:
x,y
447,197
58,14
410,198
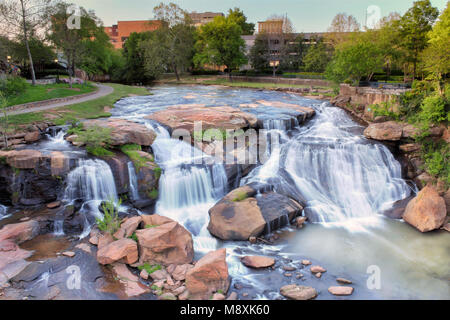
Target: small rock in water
x,y
257,261
318,274
69,254
54,205
299,221
446,227
252,240
93,240
288,268
296,292
317,269
85,247
238,286
287,274
306,262
299,275
245,294
340,291
25,219
343,281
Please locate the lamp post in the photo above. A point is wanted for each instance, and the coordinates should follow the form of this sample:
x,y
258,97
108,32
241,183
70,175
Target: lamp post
x,y
8,58
57,70
274,64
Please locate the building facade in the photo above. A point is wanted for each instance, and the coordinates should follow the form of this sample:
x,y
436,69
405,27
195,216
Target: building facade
x,y
202,18
121,31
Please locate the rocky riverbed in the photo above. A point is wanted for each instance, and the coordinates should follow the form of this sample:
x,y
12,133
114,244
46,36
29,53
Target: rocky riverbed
x,y
311,221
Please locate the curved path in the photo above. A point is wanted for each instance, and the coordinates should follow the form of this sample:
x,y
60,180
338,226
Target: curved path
x,y
102,91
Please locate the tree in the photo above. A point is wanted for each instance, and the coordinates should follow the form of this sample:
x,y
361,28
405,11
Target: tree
x,y
237,15
134,54
4,119
340,28
317,57
354,61
24,17
73,42
220,43
171,46
259,55
414,26
436,57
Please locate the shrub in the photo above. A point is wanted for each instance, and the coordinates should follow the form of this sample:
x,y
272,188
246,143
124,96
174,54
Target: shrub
x,y
13,86
131,150
433,109
384,109
96,139
437,157
110,222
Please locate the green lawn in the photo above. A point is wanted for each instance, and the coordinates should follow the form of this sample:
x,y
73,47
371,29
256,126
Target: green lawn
x,y
49,91
87,110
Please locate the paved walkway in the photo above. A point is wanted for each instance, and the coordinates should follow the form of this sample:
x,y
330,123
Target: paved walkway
x,y
102,91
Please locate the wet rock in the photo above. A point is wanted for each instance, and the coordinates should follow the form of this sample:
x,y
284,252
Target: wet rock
x,y
410,147
239,216
85,247
132,286
165,244
180,271
20,232
54,205
296,292
299,221
317,269
343,281
125,132
222,118
398,208
159,275
427,211
124,250
32,136
257,262
288,268
128,227
22,159
119,167
288,274
306,112
385,131
104,240
12,260
318,275
306,262
209,275
69,254
446,227
340,291
218,296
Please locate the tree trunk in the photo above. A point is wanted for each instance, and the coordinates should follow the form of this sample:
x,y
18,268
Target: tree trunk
x,y
176,72
33,75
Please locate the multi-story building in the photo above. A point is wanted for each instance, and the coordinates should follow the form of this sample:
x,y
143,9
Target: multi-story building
x,y
202,18
121,31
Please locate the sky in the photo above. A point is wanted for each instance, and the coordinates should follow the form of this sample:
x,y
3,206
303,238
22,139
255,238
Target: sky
x,y
306,15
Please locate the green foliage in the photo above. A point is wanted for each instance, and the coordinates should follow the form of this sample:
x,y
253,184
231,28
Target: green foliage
x,y
437,159
110,222
134,53
259,54
150,269
131,150
317,58
12,86
220,43
385,109
133,237
237,15
435,109
153,194
96,139
157,172
241,195
149,226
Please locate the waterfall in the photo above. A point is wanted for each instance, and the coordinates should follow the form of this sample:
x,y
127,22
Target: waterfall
x,y
3,212
91,180
134,191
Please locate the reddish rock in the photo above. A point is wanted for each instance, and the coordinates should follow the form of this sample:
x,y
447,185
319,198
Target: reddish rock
x,y
54,205
169,243
154,220
209,275
128,227
20,232
343,281
427,211
69,254
317,269
306,262
385,131
22,159
32,136
130,282
309,112
296,292
299,221
179,273
144,274
124,250
257,262
410,147
340,291
125,132
103,240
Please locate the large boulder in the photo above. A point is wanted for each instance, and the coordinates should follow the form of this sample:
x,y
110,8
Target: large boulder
x,y
221,117
427,211
22,159
125,132
209,275
130,282
385,131
239,215
119,167
20,232
12,260
128,227
123,250
166,243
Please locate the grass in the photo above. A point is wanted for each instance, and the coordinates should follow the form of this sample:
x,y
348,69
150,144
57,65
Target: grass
x,y
92,109
131,150
49,91
240,196
150,268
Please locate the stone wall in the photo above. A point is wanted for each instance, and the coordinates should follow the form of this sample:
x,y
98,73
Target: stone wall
x,y
366,95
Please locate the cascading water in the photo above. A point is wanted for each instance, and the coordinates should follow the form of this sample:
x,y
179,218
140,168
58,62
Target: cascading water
x,y
3,212
134,192
92,181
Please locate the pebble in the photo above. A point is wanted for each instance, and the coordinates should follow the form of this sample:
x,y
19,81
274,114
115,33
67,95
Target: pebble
x,y
287,274
288,268
69,254
317,269
306,262
343,281
318,274
340,291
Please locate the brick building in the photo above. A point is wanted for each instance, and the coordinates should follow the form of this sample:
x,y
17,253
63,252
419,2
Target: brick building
x,y
120,32
202,18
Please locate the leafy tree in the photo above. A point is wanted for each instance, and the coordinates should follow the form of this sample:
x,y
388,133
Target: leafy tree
x,y
292,52
354,61
237,15
436,57
317,57
259,55
220,43
171,46
73,42
415,25
340,28
4,118
134,54
24,17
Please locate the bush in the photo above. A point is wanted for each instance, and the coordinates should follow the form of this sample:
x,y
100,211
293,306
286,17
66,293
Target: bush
x,y
96,139
110,222
434,109
437,157
13,86
384,109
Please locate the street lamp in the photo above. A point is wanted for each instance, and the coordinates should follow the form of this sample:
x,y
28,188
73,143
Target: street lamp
x,y
274,64
8,58
57,70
